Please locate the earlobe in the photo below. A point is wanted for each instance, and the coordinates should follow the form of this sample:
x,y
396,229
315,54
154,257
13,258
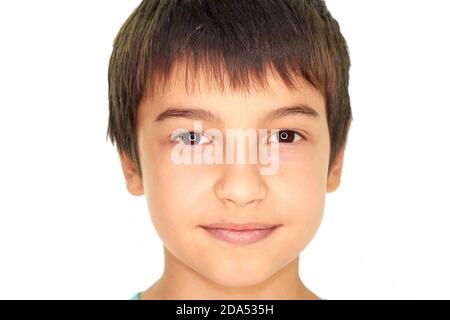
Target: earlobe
x,y
132,178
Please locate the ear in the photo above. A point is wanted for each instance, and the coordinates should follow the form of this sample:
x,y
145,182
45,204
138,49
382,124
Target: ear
x,y
131,174
334,177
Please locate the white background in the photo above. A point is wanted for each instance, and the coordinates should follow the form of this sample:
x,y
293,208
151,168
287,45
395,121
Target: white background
x,y
70,230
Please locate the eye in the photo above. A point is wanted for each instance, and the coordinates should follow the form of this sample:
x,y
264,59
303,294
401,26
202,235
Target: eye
x,y
286,136
192,138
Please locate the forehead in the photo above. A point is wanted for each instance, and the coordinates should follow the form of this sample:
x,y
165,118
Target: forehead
x,y
203,89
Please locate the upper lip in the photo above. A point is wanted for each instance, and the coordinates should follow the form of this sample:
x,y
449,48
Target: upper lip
x,y
237,226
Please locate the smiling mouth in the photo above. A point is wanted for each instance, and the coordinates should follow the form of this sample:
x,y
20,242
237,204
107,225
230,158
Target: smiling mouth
x,y
240,226
240,234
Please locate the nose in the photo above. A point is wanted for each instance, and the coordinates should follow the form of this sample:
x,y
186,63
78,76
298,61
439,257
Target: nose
x,y
241,185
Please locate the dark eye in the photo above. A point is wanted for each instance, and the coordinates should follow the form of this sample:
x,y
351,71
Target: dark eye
x,y
192,138
286,136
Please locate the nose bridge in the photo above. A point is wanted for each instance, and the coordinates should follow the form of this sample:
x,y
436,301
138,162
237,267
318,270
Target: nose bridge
x,y
240,182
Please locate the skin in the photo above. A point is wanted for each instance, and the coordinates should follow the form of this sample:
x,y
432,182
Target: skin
x,y
182,197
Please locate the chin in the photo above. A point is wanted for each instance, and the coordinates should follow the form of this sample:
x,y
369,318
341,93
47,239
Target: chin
x,y
238,279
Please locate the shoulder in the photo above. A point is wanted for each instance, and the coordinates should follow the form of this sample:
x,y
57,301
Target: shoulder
x,y
136,296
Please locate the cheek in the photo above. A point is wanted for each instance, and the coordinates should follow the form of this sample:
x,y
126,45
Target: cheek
x,y
173,193
299,188
175,198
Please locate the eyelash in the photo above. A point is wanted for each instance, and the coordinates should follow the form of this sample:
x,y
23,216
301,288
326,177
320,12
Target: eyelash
x,y
302,137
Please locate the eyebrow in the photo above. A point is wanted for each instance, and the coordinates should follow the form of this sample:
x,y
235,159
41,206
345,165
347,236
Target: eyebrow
x,y
206,115
298,109
187,113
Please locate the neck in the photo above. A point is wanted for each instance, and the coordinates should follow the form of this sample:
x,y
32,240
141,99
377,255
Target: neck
x,y
179,282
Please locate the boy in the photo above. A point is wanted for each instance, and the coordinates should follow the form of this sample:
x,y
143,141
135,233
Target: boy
x,y
228,231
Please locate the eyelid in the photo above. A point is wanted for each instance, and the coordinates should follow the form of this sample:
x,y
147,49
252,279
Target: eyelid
x,y
178,132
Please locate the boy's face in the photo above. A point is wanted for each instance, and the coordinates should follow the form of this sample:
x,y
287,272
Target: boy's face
x,y
182,197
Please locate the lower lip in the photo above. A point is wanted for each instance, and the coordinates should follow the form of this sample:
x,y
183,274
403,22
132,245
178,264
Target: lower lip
x,y
240,237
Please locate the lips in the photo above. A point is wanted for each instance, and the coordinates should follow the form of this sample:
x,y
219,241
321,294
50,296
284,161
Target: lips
x,y
235,226
240,234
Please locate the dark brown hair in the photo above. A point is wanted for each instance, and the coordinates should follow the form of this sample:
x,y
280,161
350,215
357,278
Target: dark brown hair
x,y
234,39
